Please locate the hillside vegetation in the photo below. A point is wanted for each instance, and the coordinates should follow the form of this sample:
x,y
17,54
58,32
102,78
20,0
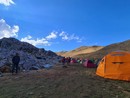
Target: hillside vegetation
x,y
80,50
97,51
122,46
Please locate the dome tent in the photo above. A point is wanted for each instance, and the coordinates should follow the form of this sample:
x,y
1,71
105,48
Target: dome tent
x,y
115,65
89,64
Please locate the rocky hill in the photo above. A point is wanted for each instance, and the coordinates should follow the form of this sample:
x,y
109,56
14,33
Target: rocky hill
x,y
30,56
80,50
122,46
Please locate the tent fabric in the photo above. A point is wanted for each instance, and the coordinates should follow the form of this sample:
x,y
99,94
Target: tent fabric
x,y
89,64
115,65
73,61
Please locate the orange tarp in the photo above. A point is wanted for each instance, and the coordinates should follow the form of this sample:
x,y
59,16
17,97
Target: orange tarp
x,y
115,65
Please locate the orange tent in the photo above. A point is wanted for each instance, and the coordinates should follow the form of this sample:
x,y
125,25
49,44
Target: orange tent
x,y
115,65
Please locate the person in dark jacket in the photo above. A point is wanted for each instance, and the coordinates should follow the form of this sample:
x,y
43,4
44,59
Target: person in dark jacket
x,y
15,61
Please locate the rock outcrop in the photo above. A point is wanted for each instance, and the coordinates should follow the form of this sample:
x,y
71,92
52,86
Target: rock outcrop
x,y
30,56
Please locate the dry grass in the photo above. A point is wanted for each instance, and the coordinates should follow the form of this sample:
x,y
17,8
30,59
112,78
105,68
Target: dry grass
x,y
123,46
81,50
72,82
97,52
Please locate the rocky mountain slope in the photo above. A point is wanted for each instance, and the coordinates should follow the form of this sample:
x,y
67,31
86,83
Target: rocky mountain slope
x,y
80,50
30,56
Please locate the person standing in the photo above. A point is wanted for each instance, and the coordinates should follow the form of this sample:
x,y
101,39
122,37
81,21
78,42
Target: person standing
x,y
15,61
63,60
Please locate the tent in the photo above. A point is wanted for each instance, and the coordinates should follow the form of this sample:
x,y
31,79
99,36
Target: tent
x,y
73,61
89,64
115,65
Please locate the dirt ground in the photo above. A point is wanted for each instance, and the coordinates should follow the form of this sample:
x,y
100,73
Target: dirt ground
x,y
72,82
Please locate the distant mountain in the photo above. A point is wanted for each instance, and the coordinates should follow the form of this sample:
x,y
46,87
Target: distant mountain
x,y
80,50
121,46
61,53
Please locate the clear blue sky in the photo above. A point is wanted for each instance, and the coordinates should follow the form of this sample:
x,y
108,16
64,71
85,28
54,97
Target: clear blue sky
x,y
65,24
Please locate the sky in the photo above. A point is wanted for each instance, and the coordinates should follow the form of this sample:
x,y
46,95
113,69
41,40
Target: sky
x,y
63,25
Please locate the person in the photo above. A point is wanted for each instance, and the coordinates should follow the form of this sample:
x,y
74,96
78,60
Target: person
x,y
1,75
15,61
63,60
69,60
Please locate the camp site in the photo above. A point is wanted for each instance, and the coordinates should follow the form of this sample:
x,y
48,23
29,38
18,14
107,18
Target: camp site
x,y
44,74
64,48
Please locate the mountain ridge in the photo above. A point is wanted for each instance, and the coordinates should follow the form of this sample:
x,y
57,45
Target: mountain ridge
x,y
80,50
88,51
120,46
